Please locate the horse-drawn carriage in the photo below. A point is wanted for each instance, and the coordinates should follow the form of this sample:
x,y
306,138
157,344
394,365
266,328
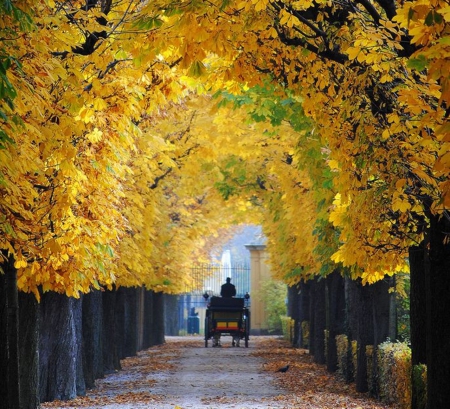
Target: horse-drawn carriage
x,y
227,316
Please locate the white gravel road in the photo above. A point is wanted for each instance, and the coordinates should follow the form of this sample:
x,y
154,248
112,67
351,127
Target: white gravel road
x,y
194,377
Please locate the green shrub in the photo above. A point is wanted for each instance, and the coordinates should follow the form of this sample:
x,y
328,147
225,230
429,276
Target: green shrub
x,y
371,379
287,324
419,379
305,334
353,351
274,293
394,373
346,355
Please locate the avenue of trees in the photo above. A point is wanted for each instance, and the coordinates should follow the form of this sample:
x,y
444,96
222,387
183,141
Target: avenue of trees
x,y
133,131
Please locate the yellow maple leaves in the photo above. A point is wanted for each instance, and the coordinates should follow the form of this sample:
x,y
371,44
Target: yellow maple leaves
x,y
118,148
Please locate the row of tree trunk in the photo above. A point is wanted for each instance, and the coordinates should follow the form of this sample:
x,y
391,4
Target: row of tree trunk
x,y
335,305
366,314
57,348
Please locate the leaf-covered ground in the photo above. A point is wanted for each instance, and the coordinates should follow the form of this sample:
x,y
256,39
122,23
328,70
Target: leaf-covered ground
x,y
184,374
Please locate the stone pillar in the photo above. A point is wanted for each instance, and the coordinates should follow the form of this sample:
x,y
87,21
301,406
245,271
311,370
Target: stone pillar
x,y
259,273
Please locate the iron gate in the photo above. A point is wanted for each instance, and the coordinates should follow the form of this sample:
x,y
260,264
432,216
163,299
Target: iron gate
x,y
208,278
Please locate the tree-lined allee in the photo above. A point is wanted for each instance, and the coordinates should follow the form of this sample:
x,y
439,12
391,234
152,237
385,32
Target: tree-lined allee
x,y
133,131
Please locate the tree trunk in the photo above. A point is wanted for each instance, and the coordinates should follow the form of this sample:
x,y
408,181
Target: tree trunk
x,y
351,302
158,321
364,336
13,335
29,328
131,322
418,317
336,316
293,311
351,325
438,313
381,300
3,341
148,320
9,340
140,294
312,316
111,360
77,314
60,348
120,316
92,338
319,320
171,314
393,314
304,315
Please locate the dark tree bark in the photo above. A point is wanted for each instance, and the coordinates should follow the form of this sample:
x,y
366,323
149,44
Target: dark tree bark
x,y
304,313
393,315
9,340
351,325
364,335
319,320
111,360
418,315
418,312
351,302
29,328
77,314
148,320
140,294
128,323
3,341
312,316
381,300
158,321
60,348
92,338
438,313
12,319
120,316
171,314
336,316
293,311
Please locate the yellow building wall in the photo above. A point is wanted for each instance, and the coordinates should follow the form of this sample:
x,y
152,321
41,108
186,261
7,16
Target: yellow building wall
x,y
259,273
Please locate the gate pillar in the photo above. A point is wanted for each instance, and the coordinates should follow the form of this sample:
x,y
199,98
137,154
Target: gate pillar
x,y
259,273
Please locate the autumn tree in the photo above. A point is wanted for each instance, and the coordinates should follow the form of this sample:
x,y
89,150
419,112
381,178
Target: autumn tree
x,y
105,141
381,113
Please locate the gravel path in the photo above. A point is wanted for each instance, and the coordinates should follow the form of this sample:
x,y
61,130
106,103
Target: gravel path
x,y
183,374
218,377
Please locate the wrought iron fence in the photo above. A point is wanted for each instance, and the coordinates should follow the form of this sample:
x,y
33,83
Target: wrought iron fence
x,y
208,278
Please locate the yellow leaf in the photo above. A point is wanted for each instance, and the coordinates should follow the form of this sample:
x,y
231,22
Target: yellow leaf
x,y
260,4
20,263
100,104
333,164
401,204
400,183
95,136
353,52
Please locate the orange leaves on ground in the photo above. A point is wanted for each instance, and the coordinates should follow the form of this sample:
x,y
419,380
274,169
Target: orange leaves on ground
x,y
308,384
120,399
